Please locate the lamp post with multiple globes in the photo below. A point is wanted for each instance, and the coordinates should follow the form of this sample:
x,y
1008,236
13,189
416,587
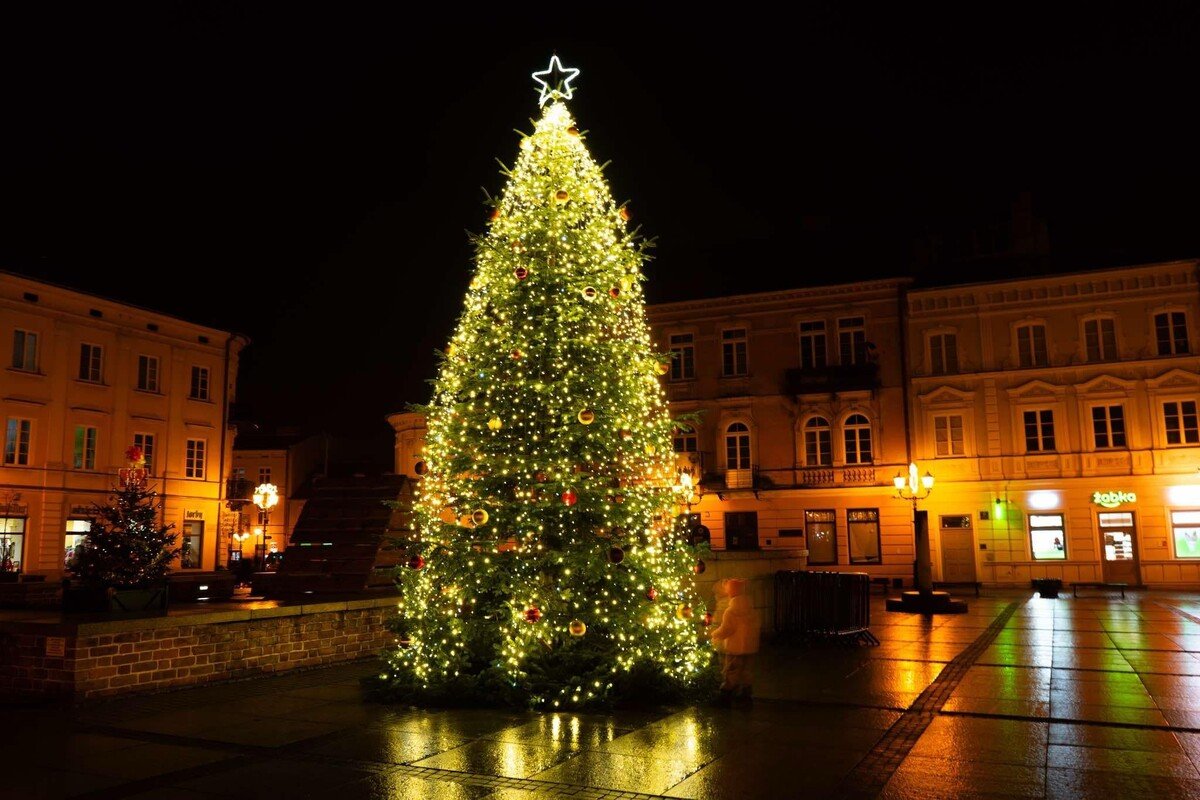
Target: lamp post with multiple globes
x,y
266,497
915,487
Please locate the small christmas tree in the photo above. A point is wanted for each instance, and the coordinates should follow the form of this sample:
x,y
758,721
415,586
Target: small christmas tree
x,y
126,545
550,570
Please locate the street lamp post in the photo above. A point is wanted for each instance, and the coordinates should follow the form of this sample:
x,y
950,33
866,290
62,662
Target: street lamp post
x,y
266,497
915,488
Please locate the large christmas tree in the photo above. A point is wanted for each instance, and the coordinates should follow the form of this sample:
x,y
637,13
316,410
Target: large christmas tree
x,y
549,568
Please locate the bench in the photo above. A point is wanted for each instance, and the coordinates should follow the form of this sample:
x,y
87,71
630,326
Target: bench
x,y
976,585
1098,585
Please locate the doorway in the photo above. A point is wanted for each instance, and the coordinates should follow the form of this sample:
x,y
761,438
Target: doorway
x,y
958,549
741,530
1118,535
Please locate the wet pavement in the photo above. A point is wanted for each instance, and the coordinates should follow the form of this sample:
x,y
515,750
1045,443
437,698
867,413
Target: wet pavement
x,y
1021,697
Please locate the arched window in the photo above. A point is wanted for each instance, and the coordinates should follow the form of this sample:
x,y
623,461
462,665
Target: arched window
x,y
737,446
857,432
818,443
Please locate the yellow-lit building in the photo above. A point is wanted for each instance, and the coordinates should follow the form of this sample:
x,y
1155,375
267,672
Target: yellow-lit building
x,y
1057,415
289,462
83,379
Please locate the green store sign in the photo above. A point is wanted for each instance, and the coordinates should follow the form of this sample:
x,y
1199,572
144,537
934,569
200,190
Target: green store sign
x,y
1113,499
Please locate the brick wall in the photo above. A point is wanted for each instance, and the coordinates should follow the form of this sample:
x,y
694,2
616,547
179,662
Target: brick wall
x,y
120,657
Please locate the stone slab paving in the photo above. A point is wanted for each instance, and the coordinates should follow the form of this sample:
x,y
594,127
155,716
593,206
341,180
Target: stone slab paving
x,y
1021,697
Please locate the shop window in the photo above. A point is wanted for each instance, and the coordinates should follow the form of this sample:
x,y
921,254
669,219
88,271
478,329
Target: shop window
x,y
1047,537
77,530
863,527
818,442
820,529
948,435
812,344
191,545
1031,346
1185,530
1039,431
856,432
1179,420
733,352
683,357
12,543
1108,426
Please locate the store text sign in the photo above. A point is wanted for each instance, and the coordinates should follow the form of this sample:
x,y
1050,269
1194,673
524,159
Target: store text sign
x,y
1113,499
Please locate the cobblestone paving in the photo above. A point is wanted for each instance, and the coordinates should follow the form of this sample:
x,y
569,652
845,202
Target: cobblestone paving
x,y
1021,697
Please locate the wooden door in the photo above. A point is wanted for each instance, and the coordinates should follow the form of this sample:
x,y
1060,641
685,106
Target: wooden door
x,y
1118,538
958,548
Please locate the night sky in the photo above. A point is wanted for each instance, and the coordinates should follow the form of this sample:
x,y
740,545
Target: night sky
x,y
307,177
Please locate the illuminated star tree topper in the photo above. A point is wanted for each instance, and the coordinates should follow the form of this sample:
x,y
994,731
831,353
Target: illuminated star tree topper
x,y
554,82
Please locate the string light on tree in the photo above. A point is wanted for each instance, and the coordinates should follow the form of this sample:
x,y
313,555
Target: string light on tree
x,y
545,511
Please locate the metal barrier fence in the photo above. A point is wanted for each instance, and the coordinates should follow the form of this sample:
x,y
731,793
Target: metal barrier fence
x,y
810,604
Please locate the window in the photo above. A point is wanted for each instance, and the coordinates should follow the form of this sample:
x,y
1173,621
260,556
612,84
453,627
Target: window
x,y
812,345
264,475
199,390
948,435
820,533
85,447
1039,431
239,473
818,442
1047,537
1185,527
146,442
1031,346
12,543
733,351
1179,417
684,441
852,340
194,463
147,373
856,433
864,535
77,531
683,356
737,446
25,350
1108,426
91,362
1170,331
192,545
943,354
16,441
1100,339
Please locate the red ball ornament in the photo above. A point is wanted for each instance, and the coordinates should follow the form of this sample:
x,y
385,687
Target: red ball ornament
x,y
416,562
615,292
616,555
517,355
569,497
533,614
521,273
707,618
420,468
540,477
495,213
625,433
618,499
652,593
700,566
625,215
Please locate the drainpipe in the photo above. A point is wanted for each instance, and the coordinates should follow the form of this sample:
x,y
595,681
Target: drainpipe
x,y
222,494
904,378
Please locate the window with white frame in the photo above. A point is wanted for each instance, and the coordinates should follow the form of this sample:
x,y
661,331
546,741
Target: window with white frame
x,y
25,351
147,377
146,442
948,435
85,447
193,465
683,356
1047,537
1171,333
199,388
852,340
1031,345
684,441
856,435
733,352
1108,426
1100,339
818,442
737,446
91,363
1039,430
1179,422
812,344
943,354
1185,528
863,526
17,434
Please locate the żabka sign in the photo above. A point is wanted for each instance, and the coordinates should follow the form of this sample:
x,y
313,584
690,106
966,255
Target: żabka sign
x,y
1113,499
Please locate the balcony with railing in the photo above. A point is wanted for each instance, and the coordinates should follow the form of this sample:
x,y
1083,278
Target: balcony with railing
x,y
831,378
863,475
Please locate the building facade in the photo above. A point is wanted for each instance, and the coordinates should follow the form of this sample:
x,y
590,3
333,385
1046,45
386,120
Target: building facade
x,y
84,379
1057,415
288,462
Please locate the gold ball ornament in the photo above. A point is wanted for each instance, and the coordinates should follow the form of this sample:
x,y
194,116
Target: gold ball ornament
x,y
587,416
562,196
662,368
683,611
420,468
521,273
626,283
495,424
624,212
577,627
573,131
448,515
495,213
465,521
589,293
479,516
625,433
650,449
